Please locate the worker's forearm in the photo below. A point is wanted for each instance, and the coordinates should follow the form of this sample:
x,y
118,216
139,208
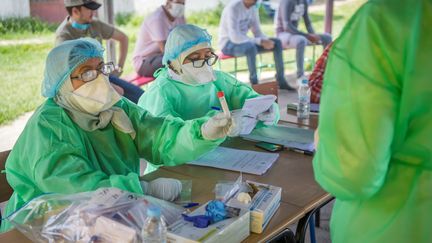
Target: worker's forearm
x,y
123,52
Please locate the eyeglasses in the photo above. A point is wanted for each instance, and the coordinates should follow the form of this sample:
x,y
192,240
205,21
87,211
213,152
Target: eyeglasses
x,y
211,60
91,75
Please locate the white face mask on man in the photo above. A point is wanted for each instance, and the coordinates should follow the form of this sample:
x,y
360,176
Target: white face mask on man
x,y
197,76
176,10
95,96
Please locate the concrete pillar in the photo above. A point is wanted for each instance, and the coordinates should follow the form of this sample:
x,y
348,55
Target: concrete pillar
x,y
108,16
328,21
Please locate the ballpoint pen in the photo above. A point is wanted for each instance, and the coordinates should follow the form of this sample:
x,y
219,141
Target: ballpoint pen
x,y
189,205
305,152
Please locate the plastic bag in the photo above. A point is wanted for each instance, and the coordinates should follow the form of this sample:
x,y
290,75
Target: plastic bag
x,y
225,190
186,192
104,215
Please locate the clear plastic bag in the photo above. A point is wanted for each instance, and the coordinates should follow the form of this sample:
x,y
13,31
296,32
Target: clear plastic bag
x,y
225,190
186,192
104,215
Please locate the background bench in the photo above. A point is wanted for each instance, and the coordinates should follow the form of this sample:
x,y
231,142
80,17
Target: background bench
x,y
260,64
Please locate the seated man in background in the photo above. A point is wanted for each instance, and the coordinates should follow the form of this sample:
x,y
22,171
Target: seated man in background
x,y
149,48
86,136
80,23
238,17
286,22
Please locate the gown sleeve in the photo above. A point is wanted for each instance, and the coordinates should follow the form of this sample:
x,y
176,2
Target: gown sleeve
x,y
169,140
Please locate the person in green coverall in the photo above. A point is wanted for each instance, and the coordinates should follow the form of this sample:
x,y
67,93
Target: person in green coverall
x,y
188,85
85,136
375,150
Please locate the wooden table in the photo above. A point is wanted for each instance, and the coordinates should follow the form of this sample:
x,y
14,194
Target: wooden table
x,y
292,171
13,236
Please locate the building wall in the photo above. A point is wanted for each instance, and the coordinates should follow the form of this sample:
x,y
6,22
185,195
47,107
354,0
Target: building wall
x,y
14,8
123,6
52,11
143,7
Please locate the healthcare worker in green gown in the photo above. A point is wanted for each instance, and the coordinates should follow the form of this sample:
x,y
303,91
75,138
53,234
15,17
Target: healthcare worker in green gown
x,y
375,129
86,136
187,86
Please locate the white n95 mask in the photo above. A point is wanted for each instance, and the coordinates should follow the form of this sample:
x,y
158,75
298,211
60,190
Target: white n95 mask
x,y
95,96
176,10
197,76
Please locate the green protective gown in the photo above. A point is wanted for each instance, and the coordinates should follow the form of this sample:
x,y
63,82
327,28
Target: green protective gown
x,y
53,154
375,126
169,97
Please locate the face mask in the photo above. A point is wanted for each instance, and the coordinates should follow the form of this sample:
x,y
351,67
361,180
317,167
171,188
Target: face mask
x,y
176,10
197,76
79,26
95,96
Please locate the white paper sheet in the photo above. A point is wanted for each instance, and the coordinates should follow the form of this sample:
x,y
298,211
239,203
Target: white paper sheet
x,y
246,161
251,108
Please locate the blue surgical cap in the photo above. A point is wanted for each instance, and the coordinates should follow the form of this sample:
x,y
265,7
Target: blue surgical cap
x,y
182,38
64,58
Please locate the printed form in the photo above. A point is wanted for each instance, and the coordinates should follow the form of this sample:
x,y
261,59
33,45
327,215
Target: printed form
x,y
246,161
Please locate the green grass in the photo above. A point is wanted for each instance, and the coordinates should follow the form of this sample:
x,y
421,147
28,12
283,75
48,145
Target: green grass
x,y
20,79
25,25
22,65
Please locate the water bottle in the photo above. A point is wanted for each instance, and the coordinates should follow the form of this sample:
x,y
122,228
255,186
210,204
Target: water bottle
x,y
154,228
303,107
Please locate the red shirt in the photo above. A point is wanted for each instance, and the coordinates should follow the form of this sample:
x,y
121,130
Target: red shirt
x,y
316,78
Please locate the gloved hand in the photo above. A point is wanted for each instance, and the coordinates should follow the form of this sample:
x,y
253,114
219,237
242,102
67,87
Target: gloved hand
x,y
163,188
220,126
268,116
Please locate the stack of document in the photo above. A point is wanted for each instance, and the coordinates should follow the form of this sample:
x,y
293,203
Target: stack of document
x,y
247,161
290,137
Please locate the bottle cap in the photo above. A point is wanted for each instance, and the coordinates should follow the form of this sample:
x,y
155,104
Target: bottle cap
x,y
304,81
153,211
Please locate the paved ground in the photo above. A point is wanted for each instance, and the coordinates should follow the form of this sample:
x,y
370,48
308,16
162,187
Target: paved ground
x,y
9,133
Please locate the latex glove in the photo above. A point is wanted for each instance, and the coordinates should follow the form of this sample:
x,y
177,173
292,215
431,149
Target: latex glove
x,y
268,117
238,118
220,126
163,188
